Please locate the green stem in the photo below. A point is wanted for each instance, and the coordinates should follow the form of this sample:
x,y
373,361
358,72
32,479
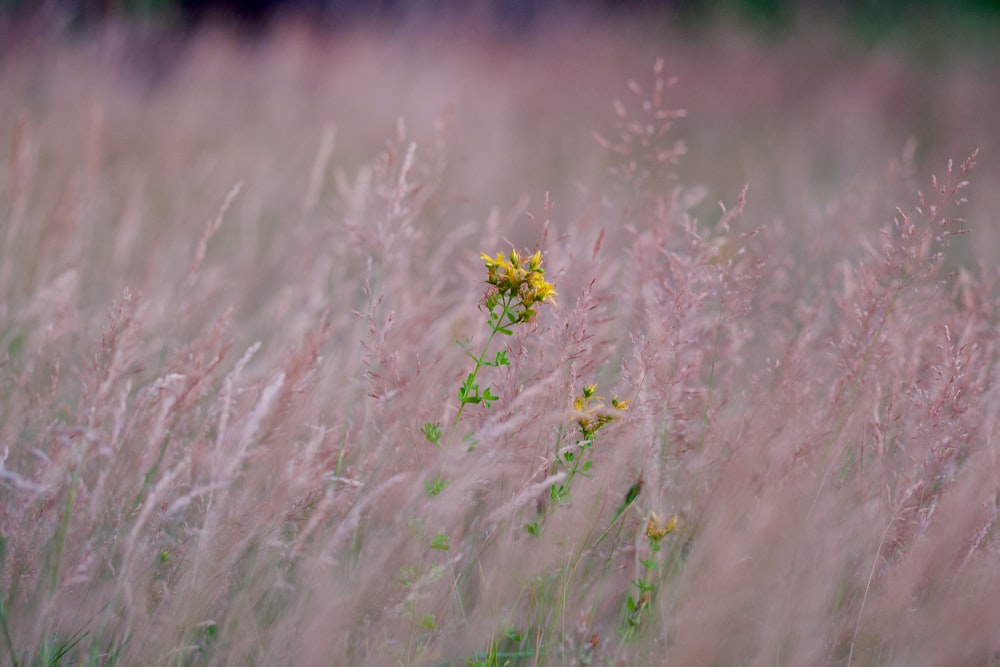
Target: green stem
x,y
455,591
495,325
475,373
61,533
617,521
578,457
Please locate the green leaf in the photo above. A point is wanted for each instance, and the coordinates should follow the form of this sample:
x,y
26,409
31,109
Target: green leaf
x,y
469,391
559,492
432,431
428,622
435,486
533,529
642,585
489,397
407,576
440,542
633,493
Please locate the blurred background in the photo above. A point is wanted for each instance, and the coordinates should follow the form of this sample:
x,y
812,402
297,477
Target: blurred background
x,y
807,101
866,20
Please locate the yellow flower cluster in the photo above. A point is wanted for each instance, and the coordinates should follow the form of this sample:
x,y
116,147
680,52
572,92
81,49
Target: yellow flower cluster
x,y
517,277
657,528
591,412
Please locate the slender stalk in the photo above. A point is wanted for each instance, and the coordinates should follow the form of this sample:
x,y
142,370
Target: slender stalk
x,y
475,371
454,588
496,326
60,537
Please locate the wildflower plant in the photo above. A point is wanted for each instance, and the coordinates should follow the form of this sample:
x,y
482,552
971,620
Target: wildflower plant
x,y
516,286
655,530
591,416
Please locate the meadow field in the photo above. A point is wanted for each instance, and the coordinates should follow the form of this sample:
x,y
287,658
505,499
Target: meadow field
x,y
603,344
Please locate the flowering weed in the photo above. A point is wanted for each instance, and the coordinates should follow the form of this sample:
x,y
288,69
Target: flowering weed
x,y
517,285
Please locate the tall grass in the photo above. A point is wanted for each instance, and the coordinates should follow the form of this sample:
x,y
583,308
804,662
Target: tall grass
x,y
228,320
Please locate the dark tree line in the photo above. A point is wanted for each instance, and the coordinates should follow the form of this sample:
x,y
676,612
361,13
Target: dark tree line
x,y
518,13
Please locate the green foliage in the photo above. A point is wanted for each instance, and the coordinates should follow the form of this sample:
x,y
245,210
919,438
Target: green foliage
x,y
432,431
440,542
435,486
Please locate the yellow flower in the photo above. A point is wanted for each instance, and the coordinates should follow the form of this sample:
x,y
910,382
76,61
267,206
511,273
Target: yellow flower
x,y
657,529
493,267
547,292
535,263
591,413
538,289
